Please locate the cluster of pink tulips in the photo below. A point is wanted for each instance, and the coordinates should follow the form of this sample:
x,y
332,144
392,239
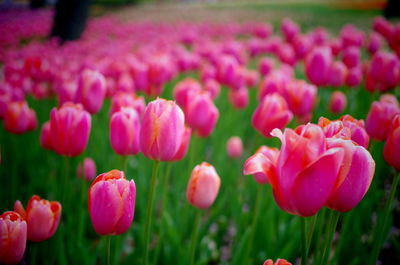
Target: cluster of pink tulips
x,y
320,163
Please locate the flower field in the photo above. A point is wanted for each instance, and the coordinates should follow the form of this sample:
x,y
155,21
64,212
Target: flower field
x,y
267,141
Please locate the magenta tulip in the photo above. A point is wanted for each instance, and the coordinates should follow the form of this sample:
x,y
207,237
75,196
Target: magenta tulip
x,y
125,131
337,102
13,231
234,147
391,151
91,90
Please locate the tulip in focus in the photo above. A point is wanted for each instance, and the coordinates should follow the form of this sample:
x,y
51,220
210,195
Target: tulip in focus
x,y
125,131
163,127
380,117
42,217
91,90
273,112
234,147
391,151
112,203
337,102
13,231
306,170
87,170
203,186
69,129
19,118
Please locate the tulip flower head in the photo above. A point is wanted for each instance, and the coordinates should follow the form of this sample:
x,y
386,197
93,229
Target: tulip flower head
x,y
163,127
203,186
42,217
234,147
19,118
91,90
112,203
277,262
13,231
87,169
391,152
125,131
272,112
69,129
337,102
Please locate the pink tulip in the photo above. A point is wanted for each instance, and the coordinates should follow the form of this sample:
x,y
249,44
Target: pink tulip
x,y
346,128
300,97
262,164
391,152
351,36
383,27
183,89
306,171
45,136
13,231
380,117
91,90
289,29
181,153
277,262
234,147
374,43
355,175
69,129
265,66
87,170
125,131
272,112
351,57
239,98
201,113
203,186
162,130
19,118
338,74
112,203
337,102
317,65
42,217
276,82
127,100
354,77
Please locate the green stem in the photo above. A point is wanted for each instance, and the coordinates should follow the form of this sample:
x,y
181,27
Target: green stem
x,y
65,190
108,251
82,213
124,164
304,244
253,225
382,222
311,231
150,206
195,234
333,220
320,225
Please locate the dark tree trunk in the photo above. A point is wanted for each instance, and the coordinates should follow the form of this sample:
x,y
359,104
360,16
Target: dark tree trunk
x,y
392,9
70,19
37,3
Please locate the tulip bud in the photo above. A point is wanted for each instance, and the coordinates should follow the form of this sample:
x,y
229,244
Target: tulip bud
x,y
337,102
13,230
317,65
265,66
201,113
163,126
212,87
338,74
273,112
112,203
351,57
42,217
234,147
87,170
239,98
203,186
69,128
19,118
125,131
182,90
91,90
380,117
391,151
